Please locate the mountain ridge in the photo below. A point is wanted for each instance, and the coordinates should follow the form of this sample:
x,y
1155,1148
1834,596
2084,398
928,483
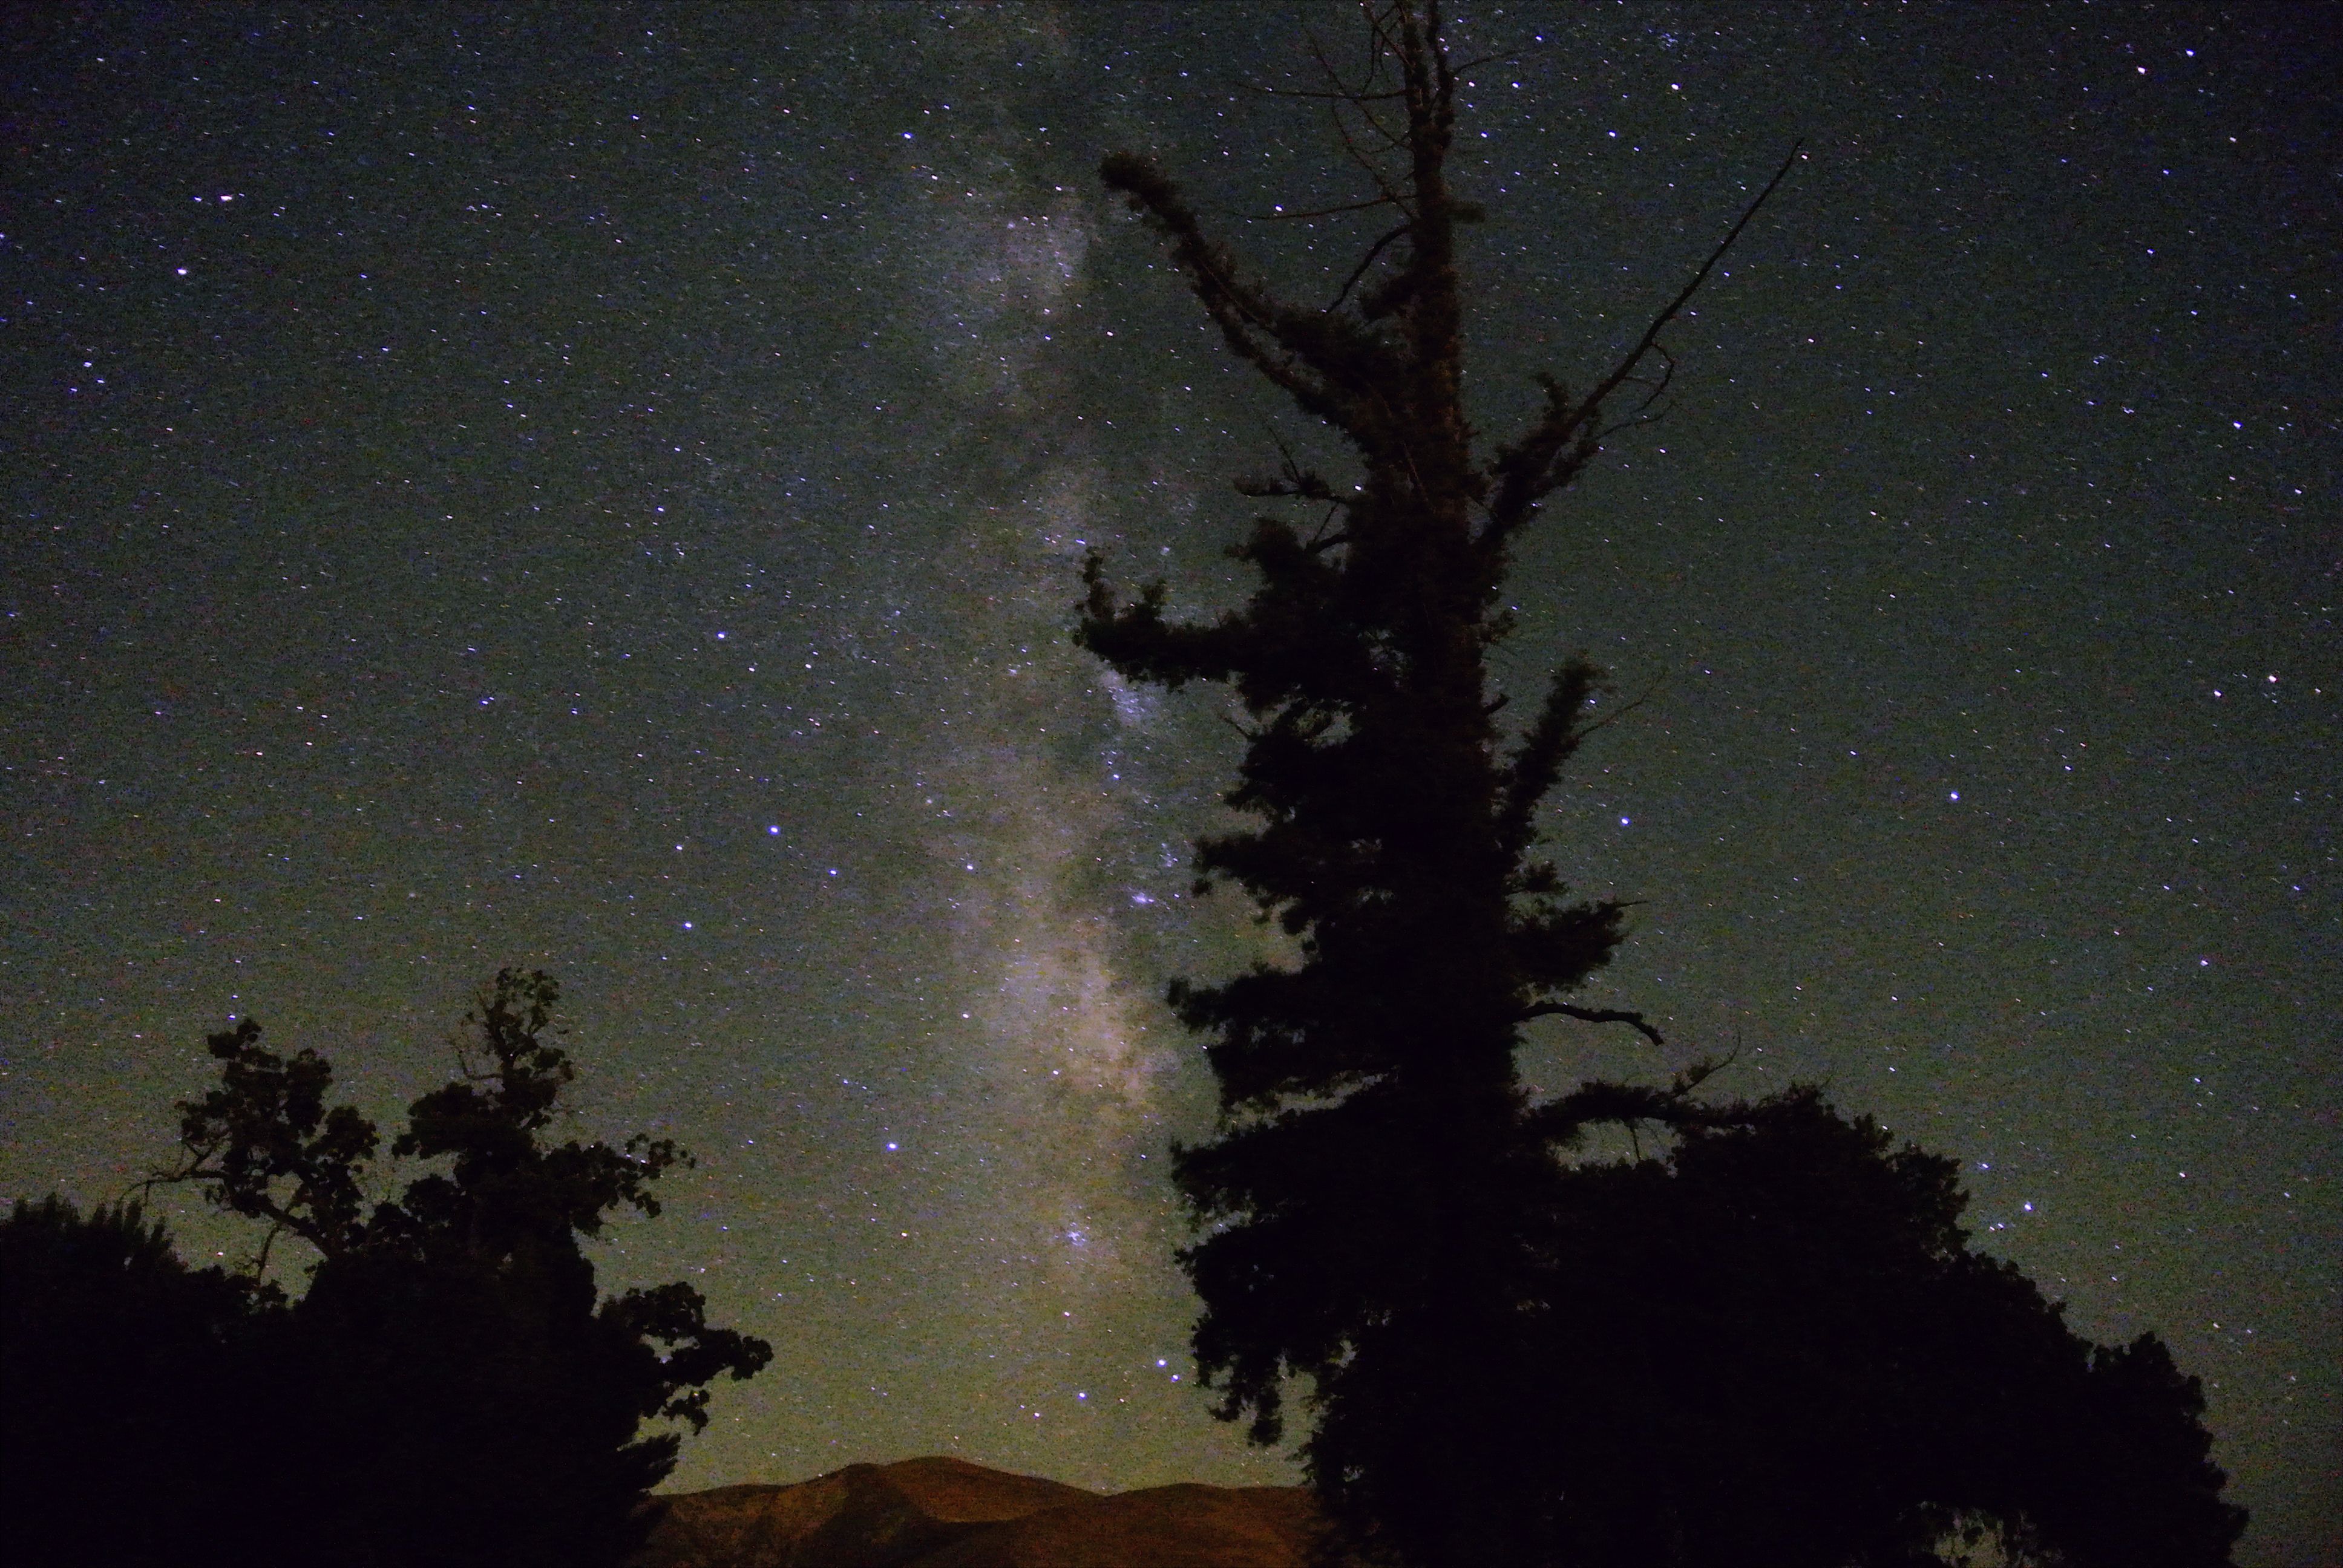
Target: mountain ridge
x,y
939,1512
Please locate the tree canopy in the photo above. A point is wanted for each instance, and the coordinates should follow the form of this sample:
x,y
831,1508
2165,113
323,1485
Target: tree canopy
x,y
1774,1345
1388,1220
122,1379
450,1388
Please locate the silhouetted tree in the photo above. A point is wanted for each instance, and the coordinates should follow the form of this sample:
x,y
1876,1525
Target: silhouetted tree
x,y
1383,1213
1363,1206
456,1391
122,1369
1775,1346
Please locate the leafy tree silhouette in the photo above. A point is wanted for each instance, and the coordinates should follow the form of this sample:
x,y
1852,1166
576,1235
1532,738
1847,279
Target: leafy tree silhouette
x,y
450,1389
1385,1214
123,1373
1775,1346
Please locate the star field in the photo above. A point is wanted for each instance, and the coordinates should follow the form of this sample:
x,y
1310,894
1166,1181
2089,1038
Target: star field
x,y
610,496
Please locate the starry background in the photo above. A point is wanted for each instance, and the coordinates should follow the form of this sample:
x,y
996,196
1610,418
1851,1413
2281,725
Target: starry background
x,y
605,492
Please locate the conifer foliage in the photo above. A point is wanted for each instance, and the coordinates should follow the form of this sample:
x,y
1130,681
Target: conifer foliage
x,y
1385,1221
1363,1202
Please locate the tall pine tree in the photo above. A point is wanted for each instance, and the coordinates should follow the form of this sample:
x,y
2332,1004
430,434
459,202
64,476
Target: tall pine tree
x,y
1508,1359
1364,1200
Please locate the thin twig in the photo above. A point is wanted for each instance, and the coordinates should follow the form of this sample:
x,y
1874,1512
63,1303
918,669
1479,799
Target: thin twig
x,y
1359,271
1321,212
1633,1021
1625,709
1340,95
1651,334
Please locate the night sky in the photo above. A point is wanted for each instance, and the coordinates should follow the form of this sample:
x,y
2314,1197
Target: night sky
x,y
602,488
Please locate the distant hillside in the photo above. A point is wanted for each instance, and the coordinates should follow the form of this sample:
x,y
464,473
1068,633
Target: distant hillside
x,y
949,1513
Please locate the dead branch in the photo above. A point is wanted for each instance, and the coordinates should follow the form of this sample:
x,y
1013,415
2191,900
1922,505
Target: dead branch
x,y
1635,1021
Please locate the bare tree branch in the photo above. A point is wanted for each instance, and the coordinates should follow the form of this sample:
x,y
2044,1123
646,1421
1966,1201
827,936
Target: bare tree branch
x,y
1633,1021
1365,262
1566,436
1683,297
1321,212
